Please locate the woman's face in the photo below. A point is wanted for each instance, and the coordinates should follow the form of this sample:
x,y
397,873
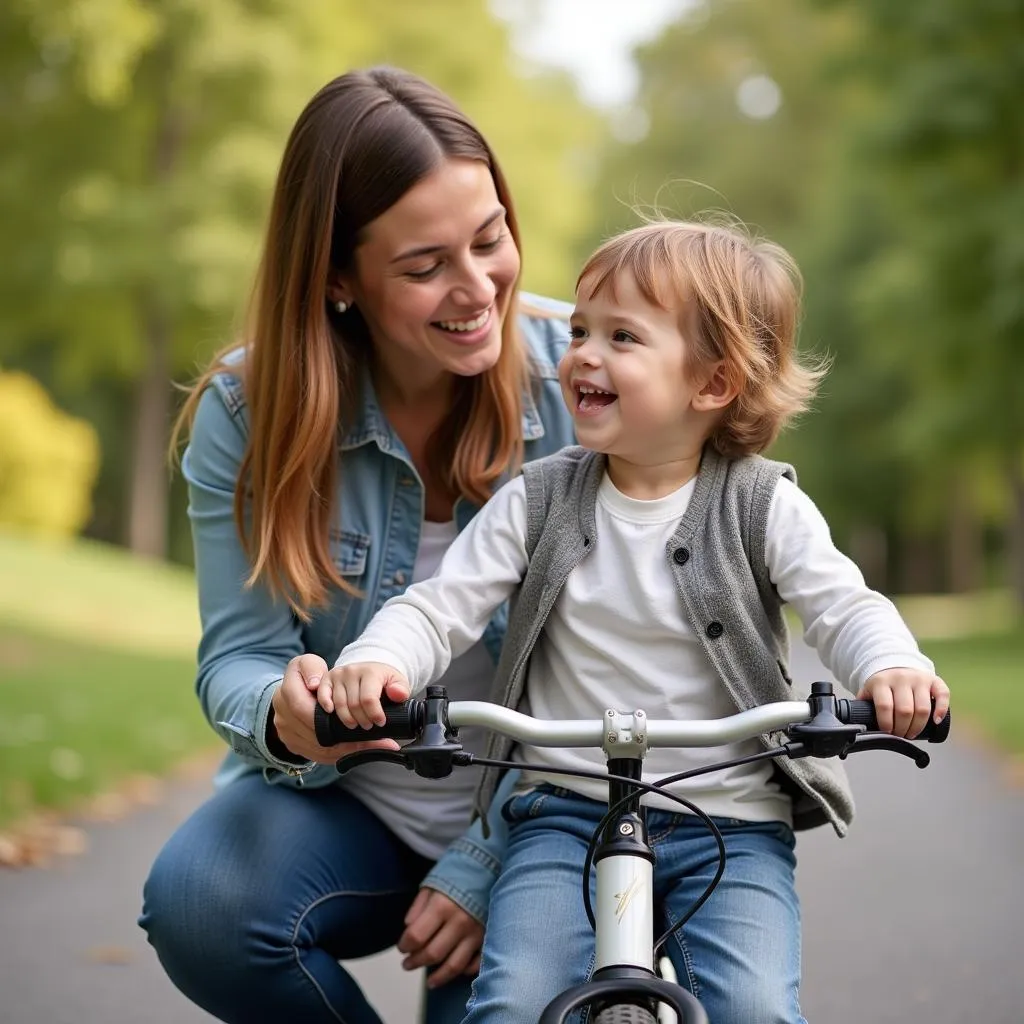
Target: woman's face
x,y
433,276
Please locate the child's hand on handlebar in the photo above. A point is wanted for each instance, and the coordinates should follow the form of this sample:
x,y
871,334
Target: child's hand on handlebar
x,y
353,692
903,699
290,719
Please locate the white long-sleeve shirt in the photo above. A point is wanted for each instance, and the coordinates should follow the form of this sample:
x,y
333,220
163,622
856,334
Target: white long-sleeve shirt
x,y
618,637
428,814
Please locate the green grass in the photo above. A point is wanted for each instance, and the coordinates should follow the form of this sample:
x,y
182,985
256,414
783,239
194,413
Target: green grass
x,y
98,594
985,674
977,644
97,663
76,718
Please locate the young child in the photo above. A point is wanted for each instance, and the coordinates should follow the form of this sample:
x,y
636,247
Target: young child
x,y
649,567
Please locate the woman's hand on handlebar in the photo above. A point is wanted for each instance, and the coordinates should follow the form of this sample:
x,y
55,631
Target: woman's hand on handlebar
x,y
353,692
293,704
439,934
903,699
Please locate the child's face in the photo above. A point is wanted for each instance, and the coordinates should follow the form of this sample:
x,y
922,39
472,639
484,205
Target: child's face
x,y
624,377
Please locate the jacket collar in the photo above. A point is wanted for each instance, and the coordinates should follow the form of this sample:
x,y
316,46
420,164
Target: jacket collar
x,y
371,425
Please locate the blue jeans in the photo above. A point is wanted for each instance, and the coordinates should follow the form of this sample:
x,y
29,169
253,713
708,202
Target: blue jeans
x,y
739,954
259,894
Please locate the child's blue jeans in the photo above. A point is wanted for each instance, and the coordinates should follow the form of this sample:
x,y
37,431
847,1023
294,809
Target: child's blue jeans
x,y
739,954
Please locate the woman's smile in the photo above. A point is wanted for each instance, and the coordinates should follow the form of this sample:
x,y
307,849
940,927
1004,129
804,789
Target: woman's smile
x,y
470,331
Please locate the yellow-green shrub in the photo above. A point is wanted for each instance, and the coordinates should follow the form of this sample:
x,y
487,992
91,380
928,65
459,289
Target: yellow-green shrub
x,y
48,461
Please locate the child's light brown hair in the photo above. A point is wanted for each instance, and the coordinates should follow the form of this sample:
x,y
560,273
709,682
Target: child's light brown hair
x,y
738,301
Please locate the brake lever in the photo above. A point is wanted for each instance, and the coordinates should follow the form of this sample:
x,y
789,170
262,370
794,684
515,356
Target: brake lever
x,y
432,756
350,761
884,741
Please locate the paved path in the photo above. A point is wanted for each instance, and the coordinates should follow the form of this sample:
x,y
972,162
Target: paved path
x,y
918,916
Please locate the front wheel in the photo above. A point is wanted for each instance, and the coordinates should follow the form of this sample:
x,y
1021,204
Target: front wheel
x,y
625,1015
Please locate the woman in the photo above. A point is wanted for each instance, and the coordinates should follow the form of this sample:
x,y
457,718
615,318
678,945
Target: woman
x,y
392,378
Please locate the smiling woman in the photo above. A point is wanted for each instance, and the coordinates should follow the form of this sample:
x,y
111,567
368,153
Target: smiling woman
x,y
390,379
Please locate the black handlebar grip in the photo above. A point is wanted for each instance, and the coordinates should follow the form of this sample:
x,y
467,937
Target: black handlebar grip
x,y
403,723
862,712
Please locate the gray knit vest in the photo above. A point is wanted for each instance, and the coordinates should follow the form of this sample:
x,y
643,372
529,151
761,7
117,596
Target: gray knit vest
x,y
716,555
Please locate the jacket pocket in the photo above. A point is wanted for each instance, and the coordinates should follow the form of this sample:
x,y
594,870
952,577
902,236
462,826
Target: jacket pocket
x,y
349,552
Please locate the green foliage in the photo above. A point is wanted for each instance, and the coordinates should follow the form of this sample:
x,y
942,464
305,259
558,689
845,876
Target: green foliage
x,y
141,140
48,461
713,139
937,294
947,146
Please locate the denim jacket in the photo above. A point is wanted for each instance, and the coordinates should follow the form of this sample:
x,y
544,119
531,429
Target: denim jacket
x,y
248,637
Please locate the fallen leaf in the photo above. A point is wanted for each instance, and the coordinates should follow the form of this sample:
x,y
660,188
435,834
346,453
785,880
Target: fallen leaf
x,y
107,807
143,790
9,852
1014,771
117,956
35,841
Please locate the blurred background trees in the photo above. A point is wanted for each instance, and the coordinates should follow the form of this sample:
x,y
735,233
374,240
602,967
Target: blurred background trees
x,y
882,143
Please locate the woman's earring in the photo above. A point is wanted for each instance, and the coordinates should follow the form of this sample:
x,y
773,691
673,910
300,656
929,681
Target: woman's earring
x,y
341,305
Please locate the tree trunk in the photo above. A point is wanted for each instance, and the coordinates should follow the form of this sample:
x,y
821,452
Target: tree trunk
x,y
1015,532
963,538
147,519
869,548
918,558
150,484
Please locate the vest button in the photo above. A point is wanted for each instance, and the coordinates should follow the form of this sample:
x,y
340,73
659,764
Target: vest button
x,y
715,630
680,556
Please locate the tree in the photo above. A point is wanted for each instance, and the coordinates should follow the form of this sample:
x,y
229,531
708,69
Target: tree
x,y
143,138
733,114
947,144
145,142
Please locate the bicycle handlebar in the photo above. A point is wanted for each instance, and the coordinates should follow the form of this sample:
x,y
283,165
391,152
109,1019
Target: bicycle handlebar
x,y
405,721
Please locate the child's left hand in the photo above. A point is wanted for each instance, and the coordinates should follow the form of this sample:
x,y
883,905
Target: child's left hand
x,y
440,934
903,699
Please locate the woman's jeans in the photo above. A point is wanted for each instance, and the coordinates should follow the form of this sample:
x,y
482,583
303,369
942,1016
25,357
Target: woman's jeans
x,y
257,896
739,954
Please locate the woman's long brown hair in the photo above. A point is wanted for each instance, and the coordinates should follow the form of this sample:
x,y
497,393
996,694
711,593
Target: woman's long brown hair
x,y
360,144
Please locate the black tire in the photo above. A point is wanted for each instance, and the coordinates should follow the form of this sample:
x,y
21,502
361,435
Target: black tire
x,y
625,1015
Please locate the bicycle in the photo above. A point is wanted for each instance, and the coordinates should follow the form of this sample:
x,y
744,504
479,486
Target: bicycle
x,y
625,987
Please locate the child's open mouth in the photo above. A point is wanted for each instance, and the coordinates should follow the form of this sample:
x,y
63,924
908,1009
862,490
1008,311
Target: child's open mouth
x,y
590,399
